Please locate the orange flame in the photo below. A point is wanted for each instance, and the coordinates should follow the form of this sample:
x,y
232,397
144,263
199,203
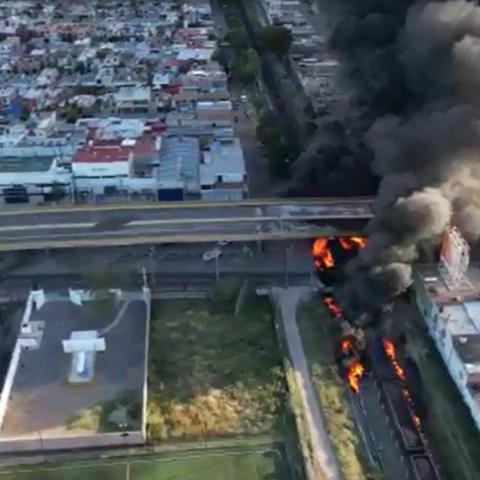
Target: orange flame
x,y
354,373
345,345
389,349
415,418
347,243
322,254
333,308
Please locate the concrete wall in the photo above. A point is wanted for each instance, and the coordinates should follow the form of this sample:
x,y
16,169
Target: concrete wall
x,y
7,386
224,195
28,444
65,442
148,301
17,350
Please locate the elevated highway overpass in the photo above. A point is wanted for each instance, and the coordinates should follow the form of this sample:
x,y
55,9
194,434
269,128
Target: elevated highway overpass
x,y
180,222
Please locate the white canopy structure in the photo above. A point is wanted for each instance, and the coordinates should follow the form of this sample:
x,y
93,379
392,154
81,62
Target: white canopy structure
x,y
83,346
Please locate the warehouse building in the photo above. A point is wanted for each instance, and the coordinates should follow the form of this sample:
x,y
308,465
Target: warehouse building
x,y
33,180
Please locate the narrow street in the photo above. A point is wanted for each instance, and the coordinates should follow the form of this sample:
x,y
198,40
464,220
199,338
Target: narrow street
x,y
259,179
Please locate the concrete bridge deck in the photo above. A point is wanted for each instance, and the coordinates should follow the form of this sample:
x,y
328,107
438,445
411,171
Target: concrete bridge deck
x,y
179,222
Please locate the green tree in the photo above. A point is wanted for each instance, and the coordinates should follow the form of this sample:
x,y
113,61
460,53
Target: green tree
x,y
223,295
58,191
272,133
24,33
276,39
232,19
247,66
81,68
237,38
222,56
25,114
101,55
73,113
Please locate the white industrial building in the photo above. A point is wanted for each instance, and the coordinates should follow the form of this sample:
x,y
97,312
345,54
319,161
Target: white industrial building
x,y
116,167
447,296
33,180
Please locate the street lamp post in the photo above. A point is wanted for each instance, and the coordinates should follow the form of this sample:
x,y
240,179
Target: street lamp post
x,y
152,265
217,268
287,265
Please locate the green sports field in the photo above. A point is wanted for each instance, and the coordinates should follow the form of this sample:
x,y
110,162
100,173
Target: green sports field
x,y
204,465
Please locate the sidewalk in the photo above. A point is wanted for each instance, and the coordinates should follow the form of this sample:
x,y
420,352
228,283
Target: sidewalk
x,y
288,299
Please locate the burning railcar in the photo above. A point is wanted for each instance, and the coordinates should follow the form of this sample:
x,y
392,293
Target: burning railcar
x,y
377,358
330,255
350,348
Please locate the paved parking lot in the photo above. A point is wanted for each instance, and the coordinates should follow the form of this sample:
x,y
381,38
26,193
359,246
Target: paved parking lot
x,y
42,401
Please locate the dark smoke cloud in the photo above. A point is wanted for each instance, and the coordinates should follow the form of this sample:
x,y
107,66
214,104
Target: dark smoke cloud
x,y
414,69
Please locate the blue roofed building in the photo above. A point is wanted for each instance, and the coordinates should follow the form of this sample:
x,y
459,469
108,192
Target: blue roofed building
x,y
179,168
222,172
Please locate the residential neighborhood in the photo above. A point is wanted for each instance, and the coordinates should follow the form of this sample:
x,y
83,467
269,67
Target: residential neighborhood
x,y
315,68
114,101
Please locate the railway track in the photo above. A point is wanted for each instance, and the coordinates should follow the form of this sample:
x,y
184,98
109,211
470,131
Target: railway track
x,y
384,410
401,411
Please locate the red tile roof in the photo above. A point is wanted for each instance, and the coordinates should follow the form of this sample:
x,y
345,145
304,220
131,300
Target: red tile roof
x,y
101,153
102,150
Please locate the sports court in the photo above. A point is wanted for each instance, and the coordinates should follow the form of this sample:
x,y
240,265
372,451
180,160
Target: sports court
x,y
212,465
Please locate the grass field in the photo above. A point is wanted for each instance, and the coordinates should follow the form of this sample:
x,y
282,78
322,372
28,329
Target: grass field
x,y
216,465
212,373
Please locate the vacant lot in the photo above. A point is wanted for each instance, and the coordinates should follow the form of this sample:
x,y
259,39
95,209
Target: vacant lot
x,y
211,465
212,373
315,328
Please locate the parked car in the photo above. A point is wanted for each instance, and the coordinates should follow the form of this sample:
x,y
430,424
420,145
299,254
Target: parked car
x,y
209,255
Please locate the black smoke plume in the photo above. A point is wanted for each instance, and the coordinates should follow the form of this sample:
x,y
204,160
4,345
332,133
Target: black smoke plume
x,y
414,70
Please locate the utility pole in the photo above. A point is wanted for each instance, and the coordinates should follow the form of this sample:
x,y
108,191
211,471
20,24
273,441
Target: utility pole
x,y
287,265
258,231
217,268
151,253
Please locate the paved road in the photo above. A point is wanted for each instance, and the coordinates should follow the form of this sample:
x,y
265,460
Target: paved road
x,y
167,260
180,222
288,300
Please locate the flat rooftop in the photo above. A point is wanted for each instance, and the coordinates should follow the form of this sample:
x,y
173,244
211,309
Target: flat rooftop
x,y
440,291
42,401
25,164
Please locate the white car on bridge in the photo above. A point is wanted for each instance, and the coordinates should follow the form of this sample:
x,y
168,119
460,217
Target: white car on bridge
x,y
209,255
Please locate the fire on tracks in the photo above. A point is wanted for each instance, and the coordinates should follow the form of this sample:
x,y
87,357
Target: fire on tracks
x,y
325,250
377,361
374,362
